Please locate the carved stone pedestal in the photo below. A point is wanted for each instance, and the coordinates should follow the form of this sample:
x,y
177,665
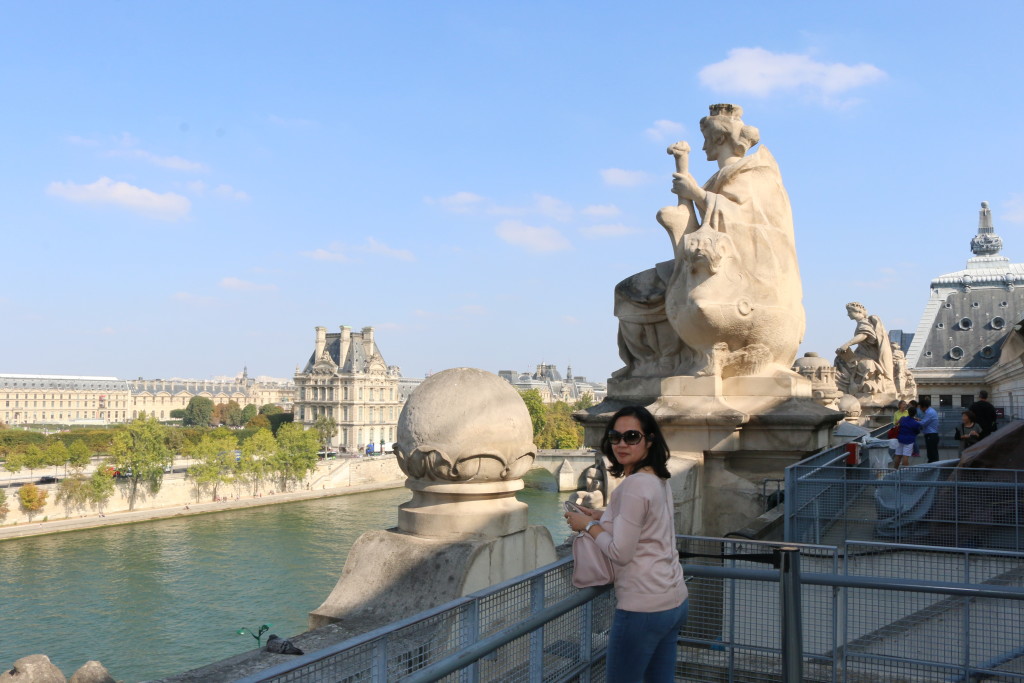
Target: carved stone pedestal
x,y
725,436
465,439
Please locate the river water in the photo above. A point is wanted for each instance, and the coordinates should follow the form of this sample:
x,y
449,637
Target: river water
x,y
157,598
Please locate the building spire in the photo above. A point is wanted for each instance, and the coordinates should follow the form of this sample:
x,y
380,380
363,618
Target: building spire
x,y
986,242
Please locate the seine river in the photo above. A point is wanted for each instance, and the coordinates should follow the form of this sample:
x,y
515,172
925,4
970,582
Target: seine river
x,y
157,598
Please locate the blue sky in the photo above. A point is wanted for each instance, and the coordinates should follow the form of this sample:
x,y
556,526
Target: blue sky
x,y
190,187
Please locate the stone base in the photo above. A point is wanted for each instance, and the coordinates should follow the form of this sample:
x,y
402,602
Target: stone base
x,y
725,436
390,575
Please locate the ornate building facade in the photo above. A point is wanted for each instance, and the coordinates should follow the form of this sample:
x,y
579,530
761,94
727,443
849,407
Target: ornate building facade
x,y
347,378
72,399
548,381
966,322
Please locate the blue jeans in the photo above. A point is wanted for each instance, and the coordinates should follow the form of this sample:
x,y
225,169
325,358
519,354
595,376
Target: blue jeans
x,y
642,646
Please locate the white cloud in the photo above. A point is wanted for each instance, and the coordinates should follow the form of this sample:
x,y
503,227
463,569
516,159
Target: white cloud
x,y
172,162
552,207
663,129
758,72
602,210
229,192
342,253
618,177
531,237
1013,210
167,206
238,285
460,202
196,187
609,230
82,142
381,249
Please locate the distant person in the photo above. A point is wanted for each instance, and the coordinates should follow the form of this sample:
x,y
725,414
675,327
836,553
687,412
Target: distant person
x,y
969,431
909,428
913,404
901,412
985,413
930,428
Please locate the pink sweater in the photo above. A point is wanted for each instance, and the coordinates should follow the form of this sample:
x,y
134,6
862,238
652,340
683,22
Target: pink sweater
x,y
640,541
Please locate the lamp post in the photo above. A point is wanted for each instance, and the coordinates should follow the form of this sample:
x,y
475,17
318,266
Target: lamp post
x,y
258,635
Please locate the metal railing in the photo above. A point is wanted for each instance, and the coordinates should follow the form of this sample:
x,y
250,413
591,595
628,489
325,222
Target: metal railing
x,y
935,505
880,612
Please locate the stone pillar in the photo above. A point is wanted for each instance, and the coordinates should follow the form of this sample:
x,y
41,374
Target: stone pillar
x,y
465,440
321,343
566,477
346,341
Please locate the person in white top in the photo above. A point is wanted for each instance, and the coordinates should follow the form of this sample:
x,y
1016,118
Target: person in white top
x,y
637,533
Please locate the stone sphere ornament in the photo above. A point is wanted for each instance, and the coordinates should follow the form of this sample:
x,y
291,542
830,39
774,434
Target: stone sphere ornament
x,y
465,425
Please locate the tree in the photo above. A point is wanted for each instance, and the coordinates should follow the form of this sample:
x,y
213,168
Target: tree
x,y
296,453
198,412
257,457
4,508
271,409
258,422
57,455
101,487
216,455
73,493
233,414
140,453
278,419
32,499
79,455
33,458
535,405
585,401
248,413
326,428
14,462
177,414
560,430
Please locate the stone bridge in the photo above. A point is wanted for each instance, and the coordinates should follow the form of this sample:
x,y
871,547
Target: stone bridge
x,y
565,465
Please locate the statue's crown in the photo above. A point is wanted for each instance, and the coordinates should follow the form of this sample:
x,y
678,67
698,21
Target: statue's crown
x,y
732,110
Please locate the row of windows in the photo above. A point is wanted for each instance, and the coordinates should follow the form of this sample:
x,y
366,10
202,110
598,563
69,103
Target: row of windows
x,y
373,415
60,404
315,393
37,416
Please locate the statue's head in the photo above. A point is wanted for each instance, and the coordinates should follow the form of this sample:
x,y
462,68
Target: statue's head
x,y
724,125
856,310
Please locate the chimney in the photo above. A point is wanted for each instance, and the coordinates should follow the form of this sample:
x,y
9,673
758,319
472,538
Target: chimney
x,y
368,340
346,341
321,342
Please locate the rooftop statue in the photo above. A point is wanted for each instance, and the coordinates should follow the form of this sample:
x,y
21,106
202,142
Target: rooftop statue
x,y
867,370
732,293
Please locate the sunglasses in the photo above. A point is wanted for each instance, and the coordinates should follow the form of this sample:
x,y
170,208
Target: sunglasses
x,y
632,437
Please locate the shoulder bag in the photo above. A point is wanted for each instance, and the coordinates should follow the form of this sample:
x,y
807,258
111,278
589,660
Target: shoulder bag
x,y
591,567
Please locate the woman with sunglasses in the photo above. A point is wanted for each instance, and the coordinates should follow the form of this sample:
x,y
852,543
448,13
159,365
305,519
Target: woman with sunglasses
x,y
637,533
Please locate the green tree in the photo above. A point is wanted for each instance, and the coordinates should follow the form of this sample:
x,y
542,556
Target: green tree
x,y
258,422
57,455
177,414
248,413
140,453
278,419
14,462
73,493
535,405
101,487
296,453
326,428
33,458
560,430
233,414
271,409
198,412
216,455
4,508
585,401
79,455
32,499
257,457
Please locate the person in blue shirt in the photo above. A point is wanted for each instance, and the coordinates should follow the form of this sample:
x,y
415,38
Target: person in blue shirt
x,y
929,427
909,428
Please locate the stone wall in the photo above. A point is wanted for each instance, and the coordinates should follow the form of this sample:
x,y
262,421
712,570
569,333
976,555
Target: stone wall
x,y
177,491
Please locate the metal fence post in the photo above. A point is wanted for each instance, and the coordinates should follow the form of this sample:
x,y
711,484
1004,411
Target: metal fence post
x,y
788,559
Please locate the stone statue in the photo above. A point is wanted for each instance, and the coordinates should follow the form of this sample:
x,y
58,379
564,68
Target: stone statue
x,y
733,294
866,371
906,385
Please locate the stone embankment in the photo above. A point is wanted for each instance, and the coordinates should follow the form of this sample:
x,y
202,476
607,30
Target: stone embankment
x,y
179,496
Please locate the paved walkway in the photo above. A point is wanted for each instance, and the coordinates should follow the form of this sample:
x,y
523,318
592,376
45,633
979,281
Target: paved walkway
x,y
125,517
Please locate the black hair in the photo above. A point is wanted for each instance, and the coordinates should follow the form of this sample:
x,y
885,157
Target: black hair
x,y
982,394
911,411
971,416
925,402
657,452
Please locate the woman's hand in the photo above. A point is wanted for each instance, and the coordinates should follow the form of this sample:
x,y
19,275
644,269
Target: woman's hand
x,y
577,521
590,512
